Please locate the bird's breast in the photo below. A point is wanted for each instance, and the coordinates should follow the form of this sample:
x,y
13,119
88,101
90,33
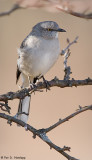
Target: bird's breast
x,y
39,56
45,55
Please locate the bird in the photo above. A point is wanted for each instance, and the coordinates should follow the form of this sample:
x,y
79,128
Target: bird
x,y
37,54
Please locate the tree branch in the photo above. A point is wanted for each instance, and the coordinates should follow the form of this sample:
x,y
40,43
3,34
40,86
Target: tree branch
x,y
80,15
64,6
41,85
76,14
41,133
80,110
66,53
69,45
14,8
5,107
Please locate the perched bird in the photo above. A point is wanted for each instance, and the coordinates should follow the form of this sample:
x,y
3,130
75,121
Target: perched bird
x,y
37,54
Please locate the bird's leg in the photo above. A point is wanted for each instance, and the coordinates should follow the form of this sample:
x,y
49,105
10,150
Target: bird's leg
x,y
32,84
46,83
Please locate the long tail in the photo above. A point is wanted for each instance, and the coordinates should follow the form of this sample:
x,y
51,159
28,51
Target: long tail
x,y
24,104
24,108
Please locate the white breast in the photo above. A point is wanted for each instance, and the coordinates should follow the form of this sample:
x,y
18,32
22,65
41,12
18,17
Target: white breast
x,y
39,56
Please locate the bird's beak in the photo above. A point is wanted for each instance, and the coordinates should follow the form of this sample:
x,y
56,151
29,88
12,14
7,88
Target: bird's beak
x,y
60,30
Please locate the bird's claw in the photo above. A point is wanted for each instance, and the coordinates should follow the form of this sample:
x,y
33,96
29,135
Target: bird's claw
x,y
33,86
46,84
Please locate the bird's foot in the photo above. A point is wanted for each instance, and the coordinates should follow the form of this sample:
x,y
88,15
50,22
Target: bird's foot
x,y
33,86
46,83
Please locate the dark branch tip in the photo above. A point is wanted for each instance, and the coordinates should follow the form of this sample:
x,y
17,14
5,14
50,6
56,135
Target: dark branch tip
x,y
9,122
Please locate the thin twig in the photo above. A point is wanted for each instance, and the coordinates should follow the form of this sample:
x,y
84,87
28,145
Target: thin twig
x,y
14,8
80,110
66,53
77,14
81,15
67,69
5,107
69,45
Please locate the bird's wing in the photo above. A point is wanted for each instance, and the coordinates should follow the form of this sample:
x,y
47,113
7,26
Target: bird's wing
x,y
23,44
17,74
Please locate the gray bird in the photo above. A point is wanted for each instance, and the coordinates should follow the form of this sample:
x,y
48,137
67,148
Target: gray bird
x,y
37,54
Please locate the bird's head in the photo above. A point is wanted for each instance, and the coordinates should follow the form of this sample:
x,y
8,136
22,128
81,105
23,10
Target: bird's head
x,y
47,29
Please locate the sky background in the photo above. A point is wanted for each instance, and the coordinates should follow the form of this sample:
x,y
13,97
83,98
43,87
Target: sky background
x,y
47,107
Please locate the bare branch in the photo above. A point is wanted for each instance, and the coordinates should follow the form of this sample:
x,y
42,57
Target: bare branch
x,y
14,8
5,107
66,53
80,110
41,134
80,15
69,45
58,149
75,8
17,121
67,69
41,85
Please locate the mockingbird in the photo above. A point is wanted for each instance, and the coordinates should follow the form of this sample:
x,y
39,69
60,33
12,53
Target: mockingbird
x,y
37,54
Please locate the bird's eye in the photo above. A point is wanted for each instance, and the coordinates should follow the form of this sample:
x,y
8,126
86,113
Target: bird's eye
x,y
49,29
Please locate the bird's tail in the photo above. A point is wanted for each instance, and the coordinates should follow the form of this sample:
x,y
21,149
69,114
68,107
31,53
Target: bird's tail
x,y
24,108
24,104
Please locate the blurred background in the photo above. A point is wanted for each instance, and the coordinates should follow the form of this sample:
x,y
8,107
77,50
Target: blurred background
x,y
47,107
